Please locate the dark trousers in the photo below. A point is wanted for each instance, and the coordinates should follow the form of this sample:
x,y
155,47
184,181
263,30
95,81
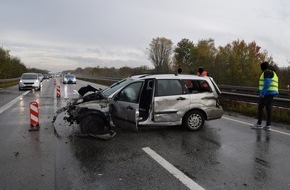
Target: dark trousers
x,y
268,102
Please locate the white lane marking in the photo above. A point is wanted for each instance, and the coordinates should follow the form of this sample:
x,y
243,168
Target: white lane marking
x,y
284,133
12,102
76,92
174,171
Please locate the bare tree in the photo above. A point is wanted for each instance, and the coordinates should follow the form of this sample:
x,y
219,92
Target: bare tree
x,y
159,53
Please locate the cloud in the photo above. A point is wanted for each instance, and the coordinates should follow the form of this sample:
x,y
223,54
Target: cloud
x,y
60,35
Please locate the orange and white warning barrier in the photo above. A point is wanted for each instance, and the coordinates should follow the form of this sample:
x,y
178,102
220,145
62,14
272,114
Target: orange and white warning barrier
x,y
34,115
58,91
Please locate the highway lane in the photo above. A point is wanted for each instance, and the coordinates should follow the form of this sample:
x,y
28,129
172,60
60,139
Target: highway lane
x,y
227,154
26,158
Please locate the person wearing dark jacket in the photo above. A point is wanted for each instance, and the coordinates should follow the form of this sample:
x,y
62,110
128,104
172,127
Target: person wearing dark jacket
x,y
268,88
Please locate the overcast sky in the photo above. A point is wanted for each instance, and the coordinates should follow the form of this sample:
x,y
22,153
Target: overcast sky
x,y
59,35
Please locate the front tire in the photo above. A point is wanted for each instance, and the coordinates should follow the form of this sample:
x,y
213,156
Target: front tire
x,y
194,120
92,124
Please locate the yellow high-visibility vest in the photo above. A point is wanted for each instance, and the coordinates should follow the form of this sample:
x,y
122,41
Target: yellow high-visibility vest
x,y
273,85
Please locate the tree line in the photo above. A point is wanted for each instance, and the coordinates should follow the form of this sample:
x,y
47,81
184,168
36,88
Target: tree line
x,y
236,63
13,67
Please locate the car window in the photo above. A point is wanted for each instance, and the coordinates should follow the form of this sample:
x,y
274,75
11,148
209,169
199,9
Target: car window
x,y
197,86
167,87
130,93
29,76
69,76
116,86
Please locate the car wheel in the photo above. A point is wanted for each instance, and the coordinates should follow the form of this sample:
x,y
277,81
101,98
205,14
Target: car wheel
x,y
194,120
93,124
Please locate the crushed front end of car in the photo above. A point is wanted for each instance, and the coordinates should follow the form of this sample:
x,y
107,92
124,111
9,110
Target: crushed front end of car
x,y
90,111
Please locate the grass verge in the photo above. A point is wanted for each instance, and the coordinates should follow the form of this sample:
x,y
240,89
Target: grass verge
x,y
8,84
279,115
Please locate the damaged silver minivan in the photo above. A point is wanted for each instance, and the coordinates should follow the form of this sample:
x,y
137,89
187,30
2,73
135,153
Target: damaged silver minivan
x,y
147,100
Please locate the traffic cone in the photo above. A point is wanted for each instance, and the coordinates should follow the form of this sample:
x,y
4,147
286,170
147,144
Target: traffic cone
x,y
34,115
58,91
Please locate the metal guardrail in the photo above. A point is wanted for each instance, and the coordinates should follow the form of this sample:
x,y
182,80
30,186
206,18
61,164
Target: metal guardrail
x,y
99,79
279,102
250,94
251,90
9,80
237,93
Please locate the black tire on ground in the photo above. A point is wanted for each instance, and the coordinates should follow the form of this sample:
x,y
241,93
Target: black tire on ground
x,y
194,120
93,124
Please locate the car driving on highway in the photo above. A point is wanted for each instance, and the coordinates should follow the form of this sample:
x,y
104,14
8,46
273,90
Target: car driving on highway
x,y
29,81
69,79
149,100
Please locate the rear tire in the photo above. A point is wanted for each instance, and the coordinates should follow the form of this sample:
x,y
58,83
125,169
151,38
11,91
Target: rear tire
x,y
92,124
194,120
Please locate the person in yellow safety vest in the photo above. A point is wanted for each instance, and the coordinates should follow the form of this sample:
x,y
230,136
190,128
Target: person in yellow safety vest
x,y
268,88
201,72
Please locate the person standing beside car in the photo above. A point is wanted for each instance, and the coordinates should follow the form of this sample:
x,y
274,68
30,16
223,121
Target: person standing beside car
x,y
268,88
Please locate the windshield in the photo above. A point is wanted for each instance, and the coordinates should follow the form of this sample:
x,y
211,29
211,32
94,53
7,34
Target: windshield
x,y
29,76
116,86
69,77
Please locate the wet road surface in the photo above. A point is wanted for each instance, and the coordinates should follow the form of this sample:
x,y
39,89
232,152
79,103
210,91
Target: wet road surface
x,y
226,154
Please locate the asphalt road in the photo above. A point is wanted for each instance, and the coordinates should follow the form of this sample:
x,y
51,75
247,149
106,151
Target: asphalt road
x,y
226,154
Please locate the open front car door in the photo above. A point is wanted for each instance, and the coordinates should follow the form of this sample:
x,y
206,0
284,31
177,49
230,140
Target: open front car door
x,y
125,106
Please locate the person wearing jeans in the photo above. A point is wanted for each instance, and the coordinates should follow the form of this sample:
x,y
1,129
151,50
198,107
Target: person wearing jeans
x,y
268,88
